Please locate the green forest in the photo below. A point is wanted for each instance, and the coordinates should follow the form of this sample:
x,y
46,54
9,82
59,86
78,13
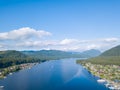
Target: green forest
x,y
13,57
109,57
110,60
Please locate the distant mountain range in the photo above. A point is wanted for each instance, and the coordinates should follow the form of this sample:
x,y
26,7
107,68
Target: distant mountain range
x,y
12,54
56,54
12,57
111,56
50,54
92,52
115,51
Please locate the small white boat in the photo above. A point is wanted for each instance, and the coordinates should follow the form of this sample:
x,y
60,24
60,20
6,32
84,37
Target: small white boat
x,y
29,68
111,88
1,86
5,77
10,73
107,85
101,80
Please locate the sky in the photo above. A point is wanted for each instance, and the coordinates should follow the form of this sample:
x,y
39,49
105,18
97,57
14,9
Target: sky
x,y
70,25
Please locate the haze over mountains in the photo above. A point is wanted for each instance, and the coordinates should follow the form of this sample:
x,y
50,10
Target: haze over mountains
x,y
115,51
57,54
109,57
11,57
92,52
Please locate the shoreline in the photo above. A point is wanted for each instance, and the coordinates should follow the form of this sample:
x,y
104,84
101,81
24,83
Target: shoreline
x,y
109,75
9,70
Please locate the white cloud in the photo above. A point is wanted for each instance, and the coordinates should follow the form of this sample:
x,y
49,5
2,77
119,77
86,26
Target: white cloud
x,y
1,46
93,46
68,41
30,39
23,33
81,45
111,39
102,44
36,43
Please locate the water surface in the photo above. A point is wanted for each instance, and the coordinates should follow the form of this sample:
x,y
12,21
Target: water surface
x,y
52,75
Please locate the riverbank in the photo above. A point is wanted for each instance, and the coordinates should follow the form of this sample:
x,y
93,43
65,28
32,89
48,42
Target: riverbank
x,y
9,70
110,74
62,74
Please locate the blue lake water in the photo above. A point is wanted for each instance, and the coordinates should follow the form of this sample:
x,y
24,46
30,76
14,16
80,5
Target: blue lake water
x,y
52,75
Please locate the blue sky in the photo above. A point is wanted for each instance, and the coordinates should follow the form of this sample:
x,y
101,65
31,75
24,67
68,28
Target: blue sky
x,y
95,23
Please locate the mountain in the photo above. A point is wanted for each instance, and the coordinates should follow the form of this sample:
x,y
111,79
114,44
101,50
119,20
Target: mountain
x,y
12,57
57,54
52,54
115,51
92,52
12,54
109,57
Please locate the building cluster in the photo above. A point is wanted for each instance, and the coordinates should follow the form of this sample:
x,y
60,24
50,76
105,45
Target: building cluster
x,y
110,74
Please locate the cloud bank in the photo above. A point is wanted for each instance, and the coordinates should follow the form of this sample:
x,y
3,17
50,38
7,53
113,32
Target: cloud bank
x,y
27,38
23,34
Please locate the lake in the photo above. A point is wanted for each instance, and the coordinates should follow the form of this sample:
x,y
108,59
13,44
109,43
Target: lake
x,y
62,74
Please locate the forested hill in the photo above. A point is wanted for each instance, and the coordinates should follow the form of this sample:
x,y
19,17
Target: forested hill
x,y
12,54
53,54
115,51
57,54
92,52
109,57
12,57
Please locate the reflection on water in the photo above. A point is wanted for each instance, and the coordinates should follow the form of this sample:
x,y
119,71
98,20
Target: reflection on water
x,y
52,75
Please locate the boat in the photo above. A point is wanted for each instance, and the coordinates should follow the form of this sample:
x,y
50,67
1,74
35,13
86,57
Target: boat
x,y
29,68
1,86
101,80
107,85
10,73
111,88
5,77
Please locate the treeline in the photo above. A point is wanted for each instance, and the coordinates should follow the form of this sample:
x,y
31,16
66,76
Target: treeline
x,y
115,51
5,62
53,54
109,57
107,60
11,57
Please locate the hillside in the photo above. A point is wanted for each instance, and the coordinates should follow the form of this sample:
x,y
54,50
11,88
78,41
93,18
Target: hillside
x,y
12,57
12,54
52,54
115,51
92,52
109,57
57,54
